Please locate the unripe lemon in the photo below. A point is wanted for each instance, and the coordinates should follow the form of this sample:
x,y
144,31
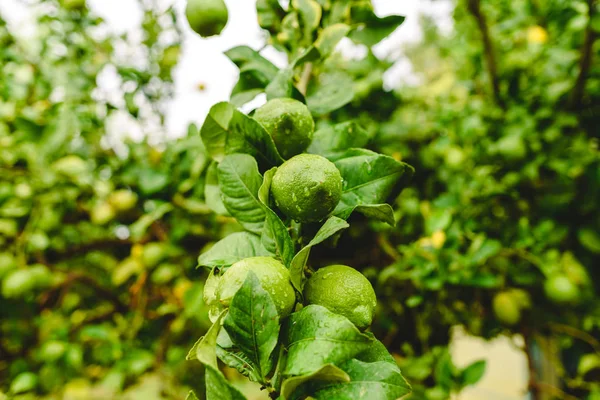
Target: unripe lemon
x,y
207,17
307,187
343,290
122,200
559,289
506,308
273,276
102,214
289,123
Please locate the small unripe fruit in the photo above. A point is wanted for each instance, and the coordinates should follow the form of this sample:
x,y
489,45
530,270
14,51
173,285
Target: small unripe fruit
x,y
207,17
506,308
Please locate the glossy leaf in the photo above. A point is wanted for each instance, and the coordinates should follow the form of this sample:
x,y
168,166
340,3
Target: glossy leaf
x,y
317,337
233,248
239,181
253,324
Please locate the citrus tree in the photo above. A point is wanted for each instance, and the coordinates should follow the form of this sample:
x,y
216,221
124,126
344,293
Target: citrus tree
x,y
291,179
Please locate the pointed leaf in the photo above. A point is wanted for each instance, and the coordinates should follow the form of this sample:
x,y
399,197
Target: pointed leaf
x,y
327,373
238,361
317,337
239,181
343,136
275,236
253,324
217,387
233,248
226,130
372,29
212,192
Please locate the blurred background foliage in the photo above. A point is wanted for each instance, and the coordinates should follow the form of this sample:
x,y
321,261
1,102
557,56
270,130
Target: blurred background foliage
x,y
498,232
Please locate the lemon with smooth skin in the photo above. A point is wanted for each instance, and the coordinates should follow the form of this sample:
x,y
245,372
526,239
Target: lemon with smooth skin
x,y
207,17
307,187
289,123
273,276
507,308
343,290
561,290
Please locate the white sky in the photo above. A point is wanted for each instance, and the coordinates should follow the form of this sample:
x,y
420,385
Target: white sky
x,y
202,60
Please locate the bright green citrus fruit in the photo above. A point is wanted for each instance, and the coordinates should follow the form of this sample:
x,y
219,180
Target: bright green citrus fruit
x,y
307,187
559,289
207,17
102,214
343,290
506,308
123,199
273,276
289,123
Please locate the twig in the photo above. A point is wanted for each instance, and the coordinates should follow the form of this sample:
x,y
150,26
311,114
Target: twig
x,y
305,78
534,389
576,333
100,290
488,48
561,394
585,62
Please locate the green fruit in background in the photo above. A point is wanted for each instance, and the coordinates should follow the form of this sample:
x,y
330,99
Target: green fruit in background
x,y
73,4
307,187
71,166
18,283
343,290
102,214
38,241
273,276
289,123
24,382
52,350
122,200
561,290
8,262
207,17
511,147
170,57
153,253
506,308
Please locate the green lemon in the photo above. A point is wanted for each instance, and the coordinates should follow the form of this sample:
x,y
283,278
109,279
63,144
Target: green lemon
x,y
307,187
52,350
153,253
343,290
207,17
289,123
273,276
102,214
559,289
8,262
123,199
18,283
506,308
70,165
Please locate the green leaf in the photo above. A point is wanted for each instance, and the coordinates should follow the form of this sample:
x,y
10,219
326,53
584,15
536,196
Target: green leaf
x,y
204,350
270,14
317,337
343,136
249,60
275,236
139,227
227,131
233,248
376,380
253,324
329,38
281,85
369,180
217,387
332,226
191,396
473,373
372,29
239,181
212,191
310,13
152,181
589,239
327,373
328,92
238,361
